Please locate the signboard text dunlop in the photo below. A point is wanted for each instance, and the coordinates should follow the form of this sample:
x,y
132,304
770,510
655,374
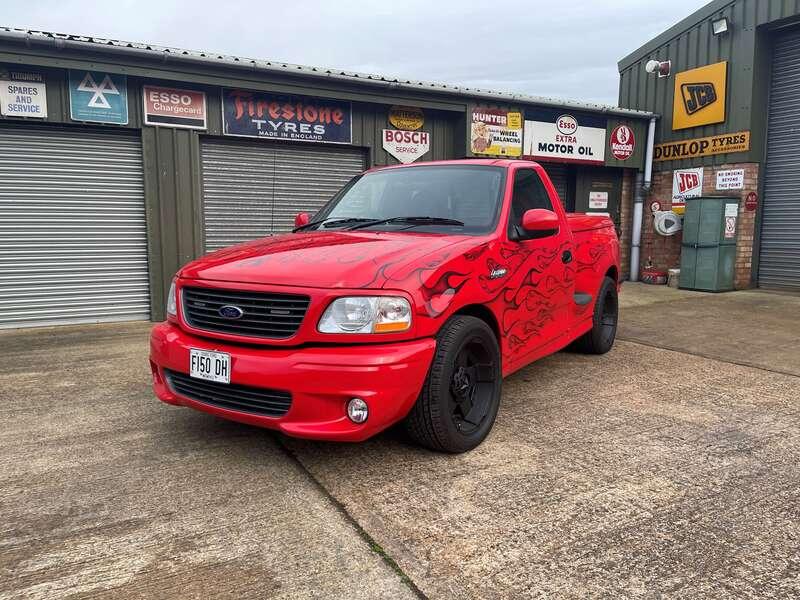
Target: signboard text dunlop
x,y
707,146
298,118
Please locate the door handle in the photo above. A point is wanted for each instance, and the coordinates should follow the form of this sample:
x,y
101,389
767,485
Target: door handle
x,y
566,257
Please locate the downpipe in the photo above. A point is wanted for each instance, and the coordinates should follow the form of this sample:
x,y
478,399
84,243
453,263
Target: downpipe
x,y
643,184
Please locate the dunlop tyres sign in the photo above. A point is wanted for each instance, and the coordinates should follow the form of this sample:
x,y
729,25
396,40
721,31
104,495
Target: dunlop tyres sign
x,y
716,144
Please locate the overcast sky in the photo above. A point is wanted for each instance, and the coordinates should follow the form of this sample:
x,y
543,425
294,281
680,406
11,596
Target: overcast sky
x,y
559,48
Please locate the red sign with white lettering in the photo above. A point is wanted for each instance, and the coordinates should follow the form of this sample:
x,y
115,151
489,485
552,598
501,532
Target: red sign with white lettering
x,y
623,142
751,201
174,107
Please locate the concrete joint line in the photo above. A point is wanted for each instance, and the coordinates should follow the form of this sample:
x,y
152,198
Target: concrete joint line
x,y
708,356
373,545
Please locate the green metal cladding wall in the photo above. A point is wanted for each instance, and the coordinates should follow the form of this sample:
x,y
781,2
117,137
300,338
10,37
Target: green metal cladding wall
x,y
691,44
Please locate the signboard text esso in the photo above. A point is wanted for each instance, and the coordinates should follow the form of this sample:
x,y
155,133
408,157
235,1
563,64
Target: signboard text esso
x,y
567,125
623,142
173,107
406,146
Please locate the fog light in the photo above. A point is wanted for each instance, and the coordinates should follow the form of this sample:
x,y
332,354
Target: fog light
x,y
357,410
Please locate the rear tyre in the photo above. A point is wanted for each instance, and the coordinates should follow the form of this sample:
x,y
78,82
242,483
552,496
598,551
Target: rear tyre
x,y
459,400
600,338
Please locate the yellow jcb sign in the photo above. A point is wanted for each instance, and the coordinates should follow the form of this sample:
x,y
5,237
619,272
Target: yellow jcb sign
x,y
700,96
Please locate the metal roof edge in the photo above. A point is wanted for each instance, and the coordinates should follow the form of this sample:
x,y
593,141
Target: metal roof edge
x,y
167,54
680,27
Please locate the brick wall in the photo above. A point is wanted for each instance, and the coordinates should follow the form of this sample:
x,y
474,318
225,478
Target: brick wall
x,y
626,221
665,252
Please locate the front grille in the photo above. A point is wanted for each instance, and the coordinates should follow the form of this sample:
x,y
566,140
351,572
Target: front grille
x,y
242,398
274,316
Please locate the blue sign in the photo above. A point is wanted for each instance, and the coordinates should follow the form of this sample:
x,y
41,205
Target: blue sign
x,y
297,118
98,97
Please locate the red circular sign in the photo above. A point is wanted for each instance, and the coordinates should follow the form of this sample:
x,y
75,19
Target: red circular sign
x,y
751,201
655,206
623,142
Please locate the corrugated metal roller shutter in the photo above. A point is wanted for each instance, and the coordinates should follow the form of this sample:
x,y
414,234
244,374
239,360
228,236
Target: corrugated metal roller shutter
x,y
558,175
779,262
73,235
253,189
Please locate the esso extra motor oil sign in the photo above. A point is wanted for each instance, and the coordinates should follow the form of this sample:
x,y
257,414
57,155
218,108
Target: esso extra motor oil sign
x,y
551,134
686,183
406,146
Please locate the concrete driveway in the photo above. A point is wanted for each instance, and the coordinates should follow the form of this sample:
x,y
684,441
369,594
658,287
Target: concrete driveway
x,y
643,473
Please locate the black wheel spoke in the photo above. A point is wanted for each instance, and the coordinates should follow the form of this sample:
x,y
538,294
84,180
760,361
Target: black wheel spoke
x,y
484,373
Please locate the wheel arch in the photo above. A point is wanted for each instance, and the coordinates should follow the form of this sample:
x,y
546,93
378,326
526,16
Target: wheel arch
x,y
485,314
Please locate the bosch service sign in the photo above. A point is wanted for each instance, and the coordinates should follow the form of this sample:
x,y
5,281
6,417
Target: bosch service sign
x,y
623,143
552,134
295,118
406,146
174,107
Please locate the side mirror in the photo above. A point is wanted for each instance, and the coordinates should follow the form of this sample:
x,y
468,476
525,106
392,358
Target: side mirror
x,y
540,219
301,219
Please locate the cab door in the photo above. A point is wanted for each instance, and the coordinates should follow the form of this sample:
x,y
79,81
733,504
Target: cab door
x,y
537,305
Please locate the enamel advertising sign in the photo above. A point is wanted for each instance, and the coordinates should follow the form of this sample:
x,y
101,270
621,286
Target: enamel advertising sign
x,y
23,95
98,97
174,107
294,118
496,132
552,134
700,96
686,183
623,142
406,146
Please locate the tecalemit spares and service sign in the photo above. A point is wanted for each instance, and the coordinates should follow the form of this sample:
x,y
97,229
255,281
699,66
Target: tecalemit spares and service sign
x,y
22,95
566,137
173,107
297,118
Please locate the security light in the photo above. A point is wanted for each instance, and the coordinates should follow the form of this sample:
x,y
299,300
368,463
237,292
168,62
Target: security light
x,y
720,26
662,68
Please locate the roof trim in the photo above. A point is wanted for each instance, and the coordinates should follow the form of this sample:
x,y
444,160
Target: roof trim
x,y
164,54
682,26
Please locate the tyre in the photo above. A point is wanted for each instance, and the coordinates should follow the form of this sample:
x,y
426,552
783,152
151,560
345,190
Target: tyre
x,y
459,400
600,338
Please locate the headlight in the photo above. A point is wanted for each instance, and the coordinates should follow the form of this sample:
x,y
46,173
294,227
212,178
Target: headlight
x,y
172,303
366,314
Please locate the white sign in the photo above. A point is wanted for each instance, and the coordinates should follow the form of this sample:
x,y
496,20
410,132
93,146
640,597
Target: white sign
x,y
406,146
730,228
23,95
686,183
598,200
731,210
566,137
730,180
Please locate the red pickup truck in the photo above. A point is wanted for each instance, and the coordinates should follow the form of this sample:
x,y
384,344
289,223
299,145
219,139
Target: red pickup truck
x,y
408,297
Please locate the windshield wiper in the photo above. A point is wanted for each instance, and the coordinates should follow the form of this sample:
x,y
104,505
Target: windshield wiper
x,y
330,221
413,221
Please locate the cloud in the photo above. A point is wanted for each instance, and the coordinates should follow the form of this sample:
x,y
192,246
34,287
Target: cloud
x,y
566,49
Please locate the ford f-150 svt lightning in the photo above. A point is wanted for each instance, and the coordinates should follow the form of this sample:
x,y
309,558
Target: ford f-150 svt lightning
x,y
407,297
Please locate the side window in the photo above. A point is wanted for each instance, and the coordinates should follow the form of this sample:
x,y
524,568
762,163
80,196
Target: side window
x,y
529,193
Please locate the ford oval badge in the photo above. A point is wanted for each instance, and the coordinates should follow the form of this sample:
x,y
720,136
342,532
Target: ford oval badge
x,y
230,312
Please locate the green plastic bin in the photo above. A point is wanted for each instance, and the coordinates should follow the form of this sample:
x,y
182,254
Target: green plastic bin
x,y
708,253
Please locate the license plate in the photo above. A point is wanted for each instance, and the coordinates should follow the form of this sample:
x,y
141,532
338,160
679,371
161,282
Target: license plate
x,y
211,366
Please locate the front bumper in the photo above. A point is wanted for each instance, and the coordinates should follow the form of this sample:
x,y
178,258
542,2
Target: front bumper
x,y
321,380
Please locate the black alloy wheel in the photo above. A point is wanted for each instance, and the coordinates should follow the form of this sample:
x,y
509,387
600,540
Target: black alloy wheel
x,y
600,339
460,397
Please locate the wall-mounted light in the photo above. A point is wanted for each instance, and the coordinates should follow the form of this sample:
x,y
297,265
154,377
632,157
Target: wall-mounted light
x,y
663,68
720,26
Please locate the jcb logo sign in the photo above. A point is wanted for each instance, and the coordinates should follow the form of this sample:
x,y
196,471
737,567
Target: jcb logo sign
x,y
700,96
697,96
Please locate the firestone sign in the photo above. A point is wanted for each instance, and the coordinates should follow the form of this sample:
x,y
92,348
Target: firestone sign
x,y
406,146
565,137
295,118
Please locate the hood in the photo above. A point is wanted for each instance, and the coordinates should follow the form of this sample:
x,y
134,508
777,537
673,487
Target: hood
x,y
318,259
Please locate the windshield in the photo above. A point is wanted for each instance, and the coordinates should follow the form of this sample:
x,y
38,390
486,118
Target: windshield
x,y
467,196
